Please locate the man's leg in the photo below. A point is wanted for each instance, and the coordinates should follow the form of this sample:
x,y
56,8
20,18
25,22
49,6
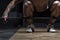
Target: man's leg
x,y
28,14
54,15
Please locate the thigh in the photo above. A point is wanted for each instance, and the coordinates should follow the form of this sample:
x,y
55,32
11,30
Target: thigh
x,y
28,9
55,9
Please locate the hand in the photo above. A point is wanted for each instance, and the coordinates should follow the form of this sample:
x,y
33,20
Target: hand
x,y
5,17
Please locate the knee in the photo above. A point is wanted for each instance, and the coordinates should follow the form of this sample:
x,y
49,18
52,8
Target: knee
x,y
56,2
27,3
55,5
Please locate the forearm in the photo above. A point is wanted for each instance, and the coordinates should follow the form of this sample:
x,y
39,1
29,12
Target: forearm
x,y
10,6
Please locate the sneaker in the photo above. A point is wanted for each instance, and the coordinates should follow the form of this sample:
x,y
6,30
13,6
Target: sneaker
x,y
30,29
52,30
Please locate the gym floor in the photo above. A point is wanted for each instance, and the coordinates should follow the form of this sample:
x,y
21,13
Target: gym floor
x,y
20,34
